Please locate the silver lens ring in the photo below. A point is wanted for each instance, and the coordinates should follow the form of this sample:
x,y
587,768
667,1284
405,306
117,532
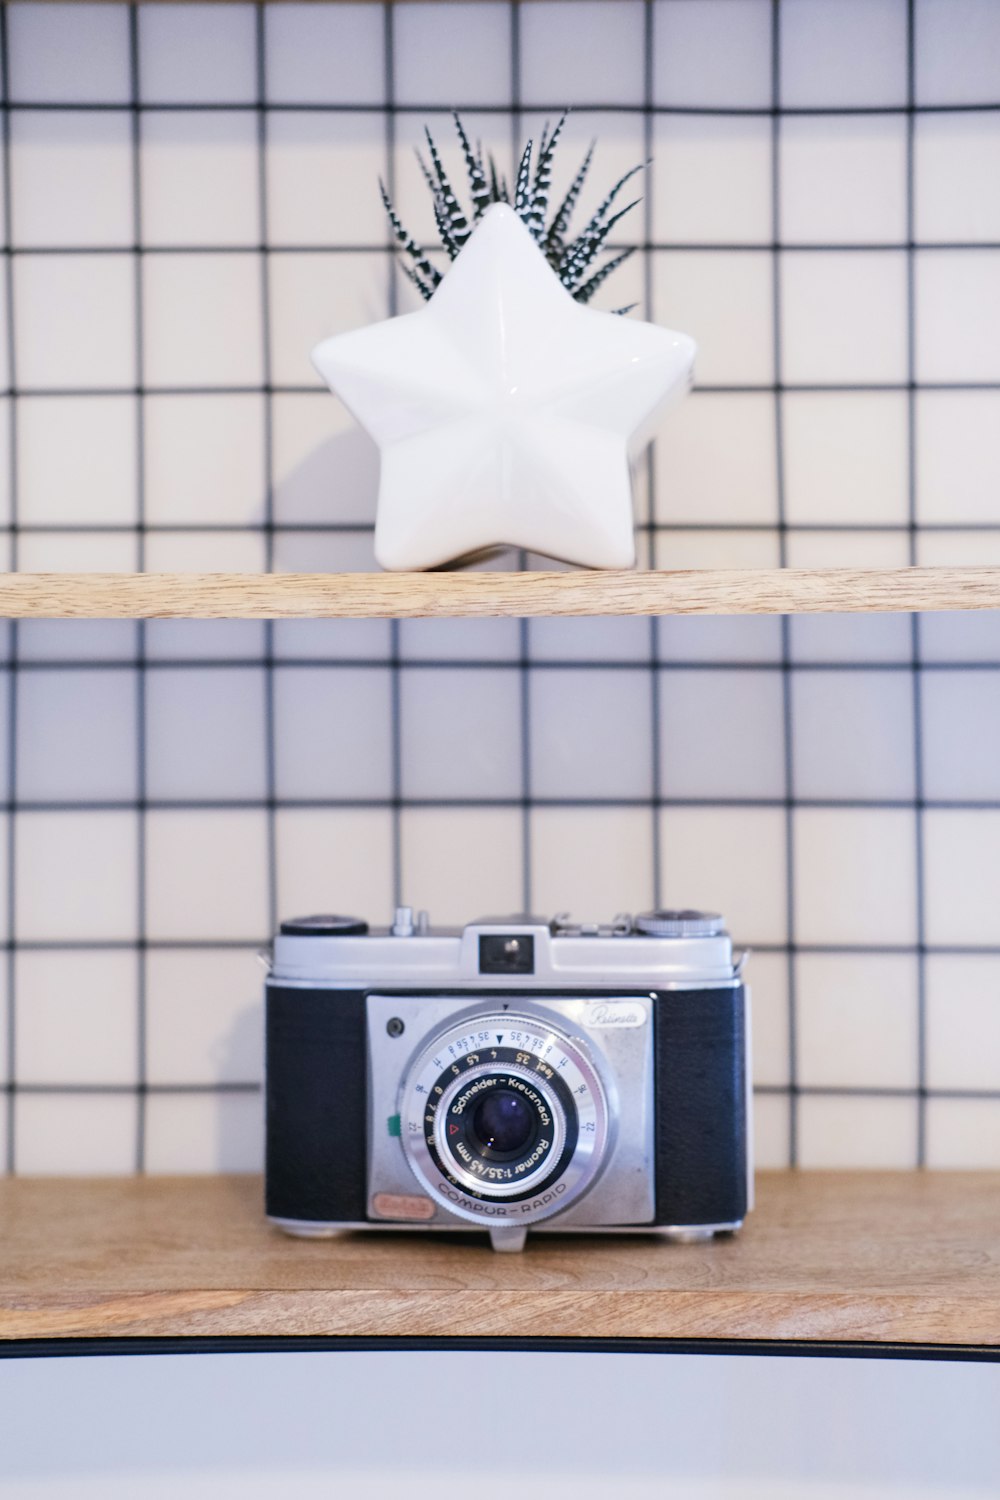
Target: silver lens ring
x,y
501,1180
515,1052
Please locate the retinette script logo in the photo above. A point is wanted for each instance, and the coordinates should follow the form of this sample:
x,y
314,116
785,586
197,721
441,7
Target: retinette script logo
x,y
615,1014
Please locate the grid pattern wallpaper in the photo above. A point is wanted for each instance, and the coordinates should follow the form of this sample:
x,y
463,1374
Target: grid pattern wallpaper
x,y
189,205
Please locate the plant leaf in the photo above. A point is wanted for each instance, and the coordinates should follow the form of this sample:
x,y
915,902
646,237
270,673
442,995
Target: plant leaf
x,y
458,224
478,186
554,238
581,253
585,292
425,291
498,187
405,239
444,228
522,187
543,173
599,214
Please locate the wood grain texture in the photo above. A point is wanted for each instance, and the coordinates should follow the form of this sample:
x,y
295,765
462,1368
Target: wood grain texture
x,y
165,596
874,1257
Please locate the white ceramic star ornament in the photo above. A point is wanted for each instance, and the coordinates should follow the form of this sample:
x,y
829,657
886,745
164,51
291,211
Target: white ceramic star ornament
x,y
506,412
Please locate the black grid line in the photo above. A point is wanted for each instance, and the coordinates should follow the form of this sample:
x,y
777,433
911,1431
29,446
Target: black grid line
x,y
524,627
142,1037
535,668
480,107
912,500
649,467
267,804
11,684
395,627
646,242
801,664
251,947
757,388
270,727
786,645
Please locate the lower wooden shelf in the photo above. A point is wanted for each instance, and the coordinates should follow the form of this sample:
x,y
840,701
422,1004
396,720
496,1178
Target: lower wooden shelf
x,y
866,1257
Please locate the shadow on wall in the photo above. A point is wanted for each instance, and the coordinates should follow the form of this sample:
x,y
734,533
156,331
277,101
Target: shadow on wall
x,y
237,1115
334,483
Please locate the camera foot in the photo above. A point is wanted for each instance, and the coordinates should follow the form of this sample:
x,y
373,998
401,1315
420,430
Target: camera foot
x,y
508,1239
688,1236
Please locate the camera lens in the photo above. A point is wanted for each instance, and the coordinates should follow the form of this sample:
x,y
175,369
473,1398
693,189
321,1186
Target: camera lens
x,y
503,1117
503,1123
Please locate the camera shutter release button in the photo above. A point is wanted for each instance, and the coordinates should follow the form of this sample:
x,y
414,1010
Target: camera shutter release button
x,y
679,923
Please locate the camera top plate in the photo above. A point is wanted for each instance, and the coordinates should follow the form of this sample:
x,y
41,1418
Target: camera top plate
x,y
686,950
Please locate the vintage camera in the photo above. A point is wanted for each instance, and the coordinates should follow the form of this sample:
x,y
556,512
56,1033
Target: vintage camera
x,y
515,1074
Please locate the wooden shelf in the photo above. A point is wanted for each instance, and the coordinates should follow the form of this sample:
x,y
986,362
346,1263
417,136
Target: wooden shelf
x,y
208,596
868,1257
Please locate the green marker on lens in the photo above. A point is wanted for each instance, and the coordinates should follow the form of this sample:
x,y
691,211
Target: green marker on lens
x,y
395,1125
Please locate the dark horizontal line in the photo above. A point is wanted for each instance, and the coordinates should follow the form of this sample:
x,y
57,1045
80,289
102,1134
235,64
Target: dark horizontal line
x,y
758,388
189,1344
874,950
388,803
764,1090
21,252
249,946
478,107
869,1091
859,387
135,945
15,1086
162,390
656,247
273,528
405,663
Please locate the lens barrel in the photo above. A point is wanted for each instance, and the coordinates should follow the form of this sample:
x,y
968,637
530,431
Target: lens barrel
x,y
535,1119
503,1125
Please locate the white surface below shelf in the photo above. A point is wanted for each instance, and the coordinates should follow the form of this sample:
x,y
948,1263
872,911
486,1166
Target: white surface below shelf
x,y
368,1425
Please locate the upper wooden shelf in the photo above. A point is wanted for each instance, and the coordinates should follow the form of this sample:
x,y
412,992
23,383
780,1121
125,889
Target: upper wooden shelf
x,y
245,596
864,1257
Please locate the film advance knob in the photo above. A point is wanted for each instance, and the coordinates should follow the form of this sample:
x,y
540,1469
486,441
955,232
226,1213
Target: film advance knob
x,y
676,924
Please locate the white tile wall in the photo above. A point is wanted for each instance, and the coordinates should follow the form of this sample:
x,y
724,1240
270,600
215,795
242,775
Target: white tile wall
x,y
712,55
198,55
325,54
842,53
74,322
845,317
711,179
71,178
78,1018
47,49
199,178
202,321
171,789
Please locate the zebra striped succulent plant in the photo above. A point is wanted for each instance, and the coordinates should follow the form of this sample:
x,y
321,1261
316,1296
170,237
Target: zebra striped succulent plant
x,y
572,257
